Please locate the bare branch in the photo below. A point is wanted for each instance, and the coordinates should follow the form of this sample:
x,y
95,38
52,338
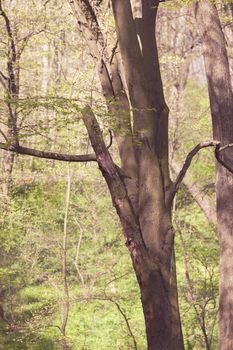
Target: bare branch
x,y
205,202
119,308
126,321
114,51
3,82
3,134
82,158
121,201
49,155
77,254
111,137
218,150
187,164
25,40
3,76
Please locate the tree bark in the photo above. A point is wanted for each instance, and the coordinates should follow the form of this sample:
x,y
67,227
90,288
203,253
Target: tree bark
x,y
140,198
159,290
155,274
221,103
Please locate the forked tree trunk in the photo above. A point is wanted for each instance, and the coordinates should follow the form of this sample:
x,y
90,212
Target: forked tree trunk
x,y
155,272
158,286
140,189
221,103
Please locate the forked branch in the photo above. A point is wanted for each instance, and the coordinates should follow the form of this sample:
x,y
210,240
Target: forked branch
x,y
188,161
218,150
189,158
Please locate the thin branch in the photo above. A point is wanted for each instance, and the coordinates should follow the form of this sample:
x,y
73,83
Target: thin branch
x,y
12,54
3,76
110,138
114,51
189,158
116,279
108,298
3,134
205,202
77,254
188,161
55,326
25,40
127,322
9,31
218,150
3,83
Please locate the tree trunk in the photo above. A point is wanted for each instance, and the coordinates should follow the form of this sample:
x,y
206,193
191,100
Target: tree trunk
x,y
155,272
160,312
140,189
221,103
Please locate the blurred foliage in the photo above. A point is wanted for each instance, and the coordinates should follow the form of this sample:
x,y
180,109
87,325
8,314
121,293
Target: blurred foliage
x,y
31,282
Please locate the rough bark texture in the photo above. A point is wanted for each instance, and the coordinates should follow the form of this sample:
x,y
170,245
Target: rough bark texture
x,y
221,103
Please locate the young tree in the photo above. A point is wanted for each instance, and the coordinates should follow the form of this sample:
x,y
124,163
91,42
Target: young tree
x,y
13,44
10,82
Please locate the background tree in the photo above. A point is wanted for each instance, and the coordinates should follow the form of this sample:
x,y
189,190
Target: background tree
x,y
221,104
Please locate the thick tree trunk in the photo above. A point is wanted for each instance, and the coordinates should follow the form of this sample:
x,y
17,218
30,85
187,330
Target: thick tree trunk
x,y
155,274
221,103
158,288
159,302
139,196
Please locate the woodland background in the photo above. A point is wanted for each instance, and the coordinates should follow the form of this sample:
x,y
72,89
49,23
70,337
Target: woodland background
x,y
60,240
